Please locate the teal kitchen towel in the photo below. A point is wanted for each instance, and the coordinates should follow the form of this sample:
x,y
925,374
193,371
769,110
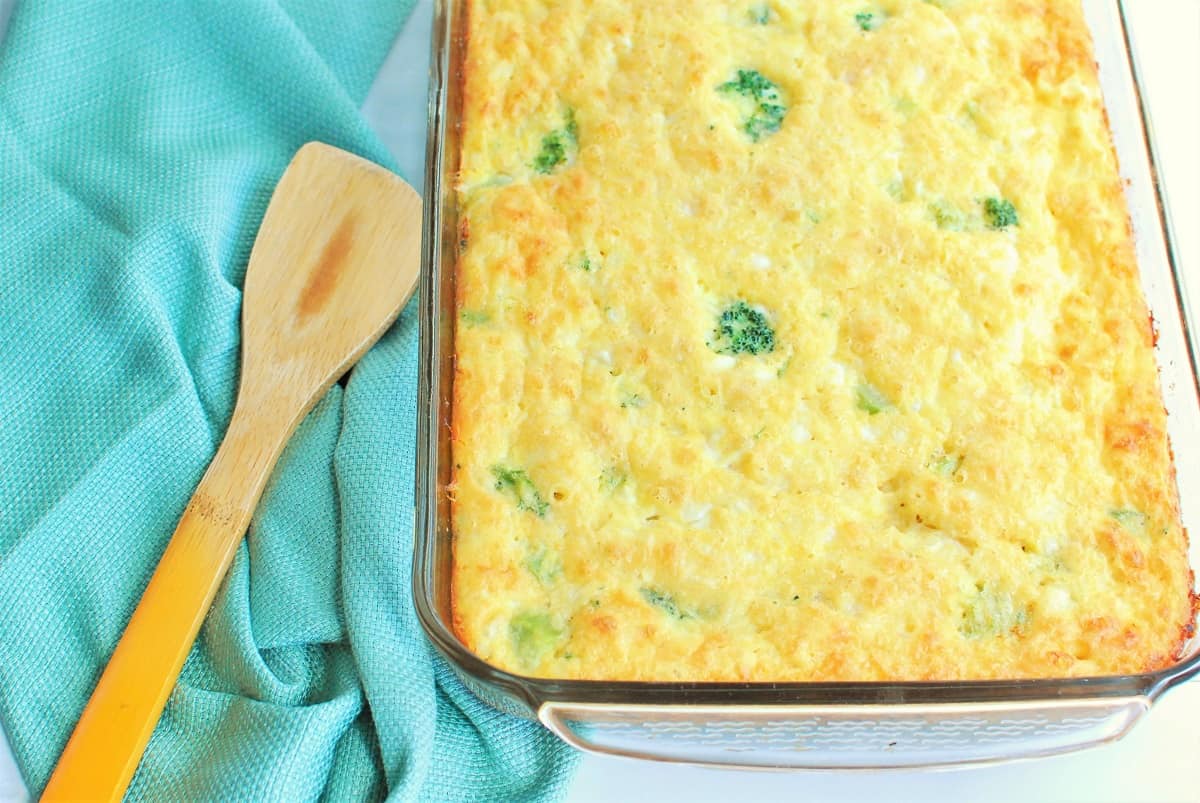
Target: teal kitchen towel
x,y
139,144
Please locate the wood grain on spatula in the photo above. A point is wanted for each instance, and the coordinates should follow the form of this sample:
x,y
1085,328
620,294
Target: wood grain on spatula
x,y
335,259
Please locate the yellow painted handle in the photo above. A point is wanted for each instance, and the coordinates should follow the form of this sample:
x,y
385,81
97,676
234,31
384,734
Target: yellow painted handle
x,y
107,744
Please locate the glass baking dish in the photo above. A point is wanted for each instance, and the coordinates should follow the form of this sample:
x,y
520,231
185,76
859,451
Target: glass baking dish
x,y
804,725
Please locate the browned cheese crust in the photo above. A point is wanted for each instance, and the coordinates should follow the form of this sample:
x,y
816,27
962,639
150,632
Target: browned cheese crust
x,y
803,341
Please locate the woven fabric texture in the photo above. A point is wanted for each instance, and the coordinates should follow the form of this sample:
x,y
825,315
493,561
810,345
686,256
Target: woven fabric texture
x,y
139,144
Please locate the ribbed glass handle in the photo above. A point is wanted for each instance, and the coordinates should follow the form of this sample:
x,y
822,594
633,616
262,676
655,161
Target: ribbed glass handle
x,y
845,737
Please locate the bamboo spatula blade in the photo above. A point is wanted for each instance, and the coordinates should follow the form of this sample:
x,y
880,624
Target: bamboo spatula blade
x,y
336,257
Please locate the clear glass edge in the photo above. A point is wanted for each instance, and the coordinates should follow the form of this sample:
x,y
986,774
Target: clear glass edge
x,y
530,693
1184,306
563,719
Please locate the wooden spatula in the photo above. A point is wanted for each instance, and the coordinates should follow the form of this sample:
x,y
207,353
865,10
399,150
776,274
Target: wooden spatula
x,y
335,259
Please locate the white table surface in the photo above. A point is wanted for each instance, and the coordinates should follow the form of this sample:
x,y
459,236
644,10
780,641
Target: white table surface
x,y
1160,759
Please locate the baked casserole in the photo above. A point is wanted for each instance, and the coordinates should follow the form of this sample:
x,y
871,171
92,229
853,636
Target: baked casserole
x,y
803,341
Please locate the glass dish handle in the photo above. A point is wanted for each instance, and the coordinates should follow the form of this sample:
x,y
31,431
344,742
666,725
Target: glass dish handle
x,y
843,737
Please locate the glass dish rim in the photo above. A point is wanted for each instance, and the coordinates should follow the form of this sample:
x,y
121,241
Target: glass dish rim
x,y
533,692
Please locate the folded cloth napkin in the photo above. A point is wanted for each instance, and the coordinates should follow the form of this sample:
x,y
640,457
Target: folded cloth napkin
x,y
139,144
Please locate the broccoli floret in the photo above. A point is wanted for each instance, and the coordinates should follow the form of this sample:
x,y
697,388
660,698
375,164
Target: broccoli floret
x,y
664,602
741,329
516,483
611,479
552,154
768,110
1134,521
760,14
946,464
583,261
868,20
557,146
948,216
870,399
1000,213
972,111
544,565
991,614
632,400
473,317
533,635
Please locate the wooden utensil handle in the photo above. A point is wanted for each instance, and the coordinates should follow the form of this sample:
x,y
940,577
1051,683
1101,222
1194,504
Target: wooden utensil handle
x,y
107,744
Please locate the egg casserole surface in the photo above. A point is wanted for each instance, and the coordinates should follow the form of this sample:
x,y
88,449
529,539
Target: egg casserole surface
x,y
803,341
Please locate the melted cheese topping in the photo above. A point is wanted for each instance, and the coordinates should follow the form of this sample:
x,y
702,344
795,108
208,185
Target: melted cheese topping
x,y
951,462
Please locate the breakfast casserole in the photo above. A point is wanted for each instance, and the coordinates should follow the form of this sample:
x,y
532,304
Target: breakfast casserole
x,y
802,340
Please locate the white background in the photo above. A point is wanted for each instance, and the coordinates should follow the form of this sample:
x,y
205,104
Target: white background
x,y
1160,759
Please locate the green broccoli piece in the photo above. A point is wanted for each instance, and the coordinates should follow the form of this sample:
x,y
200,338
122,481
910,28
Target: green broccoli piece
x,y
544,565
948,216
1134,521
972,111
1000,213
768,106
516,483
552,154
868,20
741,329
533,635
583,261
760,14
992,614
611,479
664,602
557,146
474,317
632,401
869,398
947,464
